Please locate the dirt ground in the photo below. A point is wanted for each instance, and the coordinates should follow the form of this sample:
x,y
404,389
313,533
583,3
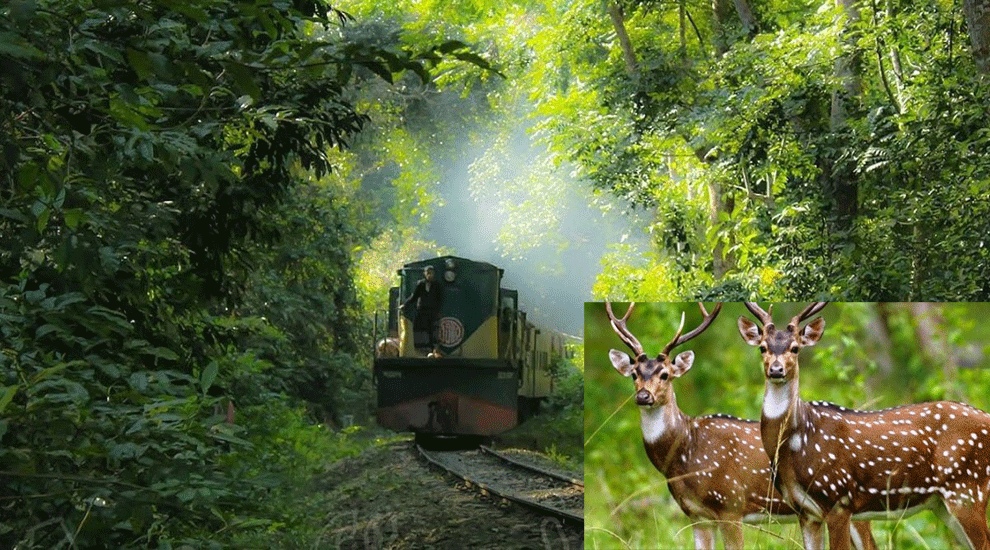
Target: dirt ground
x,y
386,498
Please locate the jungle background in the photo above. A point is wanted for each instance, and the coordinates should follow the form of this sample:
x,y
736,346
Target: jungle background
x,y
202,203
872,356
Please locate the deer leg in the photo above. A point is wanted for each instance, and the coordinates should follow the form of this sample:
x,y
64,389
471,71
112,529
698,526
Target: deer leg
x,y
838,521
732,533
968,523
704,536
862,536
811,531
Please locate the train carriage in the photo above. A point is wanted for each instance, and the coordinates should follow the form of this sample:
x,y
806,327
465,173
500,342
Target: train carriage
x,y
488,366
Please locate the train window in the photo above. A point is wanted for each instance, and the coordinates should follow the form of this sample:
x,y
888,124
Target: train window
x,y
509,298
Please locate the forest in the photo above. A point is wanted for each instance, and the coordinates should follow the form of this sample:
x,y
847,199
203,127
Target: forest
x,y
203,203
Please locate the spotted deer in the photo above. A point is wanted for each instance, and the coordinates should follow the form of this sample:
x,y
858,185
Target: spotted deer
x,y
834,464
715,466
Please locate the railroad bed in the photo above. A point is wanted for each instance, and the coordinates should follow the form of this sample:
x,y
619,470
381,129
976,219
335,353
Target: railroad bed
x,y
551,493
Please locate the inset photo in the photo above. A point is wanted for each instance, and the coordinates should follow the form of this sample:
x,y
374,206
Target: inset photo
x,y
787,426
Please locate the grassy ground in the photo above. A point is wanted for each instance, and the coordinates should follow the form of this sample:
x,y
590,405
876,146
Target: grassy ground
x,y
385,497
551,434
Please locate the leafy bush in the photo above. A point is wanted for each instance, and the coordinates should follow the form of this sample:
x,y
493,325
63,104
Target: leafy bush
x,y
169,255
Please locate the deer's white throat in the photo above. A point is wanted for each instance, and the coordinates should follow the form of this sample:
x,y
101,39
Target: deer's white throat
x,y
656,422
777,399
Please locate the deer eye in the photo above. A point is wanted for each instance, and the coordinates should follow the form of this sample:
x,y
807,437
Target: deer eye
x,y
663,375
795,349
763,349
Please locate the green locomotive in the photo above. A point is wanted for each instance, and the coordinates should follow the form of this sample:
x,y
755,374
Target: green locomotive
x,y
464,363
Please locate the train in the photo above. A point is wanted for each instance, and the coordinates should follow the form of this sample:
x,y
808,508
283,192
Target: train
x,y
484,368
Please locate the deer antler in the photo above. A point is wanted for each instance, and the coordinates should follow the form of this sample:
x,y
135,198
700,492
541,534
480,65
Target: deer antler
x,y
764,317
708,318
620,328
812,309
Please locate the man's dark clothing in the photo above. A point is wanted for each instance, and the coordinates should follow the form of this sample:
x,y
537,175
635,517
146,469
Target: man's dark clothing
x,y
427,297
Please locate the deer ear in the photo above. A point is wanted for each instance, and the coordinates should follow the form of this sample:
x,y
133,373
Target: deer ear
x,y
682,363
750,331
621,362
812,332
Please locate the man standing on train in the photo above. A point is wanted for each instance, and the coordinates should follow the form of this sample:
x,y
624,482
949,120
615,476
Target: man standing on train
x,y
427,296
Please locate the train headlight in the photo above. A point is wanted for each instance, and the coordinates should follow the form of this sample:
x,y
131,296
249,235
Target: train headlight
x,y
449,276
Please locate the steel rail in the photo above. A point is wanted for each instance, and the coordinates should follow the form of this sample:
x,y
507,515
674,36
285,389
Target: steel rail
x,y
531,467
563,515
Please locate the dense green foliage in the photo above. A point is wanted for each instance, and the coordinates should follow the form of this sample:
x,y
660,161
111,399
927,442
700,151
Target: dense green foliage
x,y
871,357
760,183
789,149
177,298
201,201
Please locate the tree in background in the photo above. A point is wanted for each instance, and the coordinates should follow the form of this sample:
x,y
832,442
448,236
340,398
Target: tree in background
x,y
827,148
978,25
817,149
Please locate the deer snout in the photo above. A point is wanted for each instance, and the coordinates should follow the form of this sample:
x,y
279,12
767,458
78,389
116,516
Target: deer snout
x,y
775,371
644,398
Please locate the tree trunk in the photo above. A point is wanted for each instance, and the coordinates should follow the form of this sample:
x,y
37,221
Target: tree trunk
x,y
895,57
930,329
878,345
750,25
619,23
978,22
848,69
722,13
845,100
722,260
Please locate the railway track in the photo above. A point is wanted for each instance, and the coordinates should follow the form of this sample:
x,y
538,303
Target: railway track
x,y
549,493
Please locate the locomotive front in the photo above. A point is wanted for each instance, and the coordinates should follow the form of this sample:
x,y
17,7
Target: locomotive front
x,y
449,376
